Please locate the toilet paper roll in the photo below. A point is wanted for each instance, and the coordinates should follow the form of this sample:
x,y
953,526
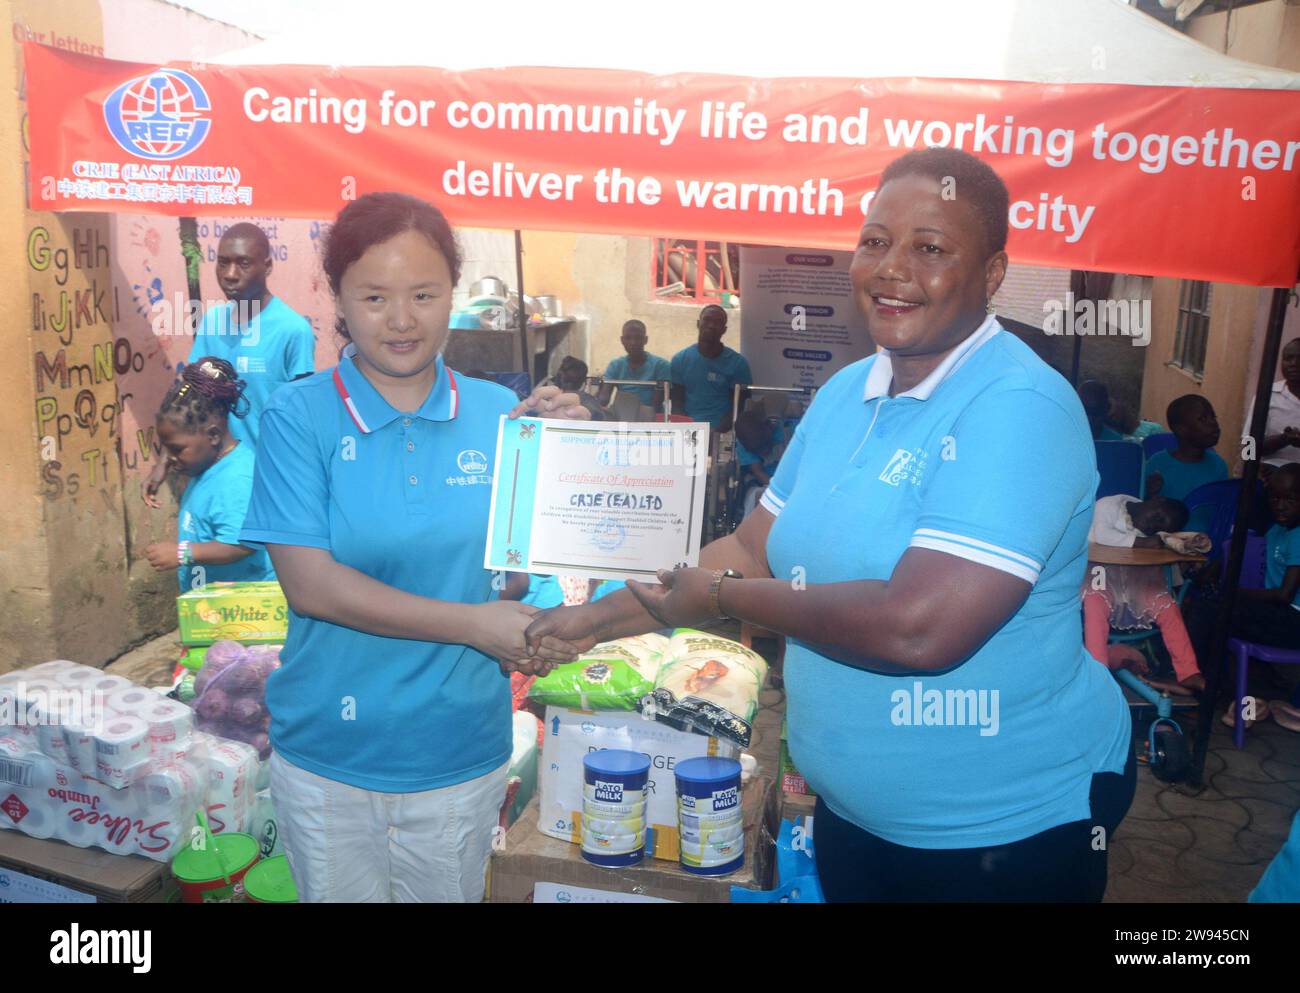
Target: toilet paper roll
x,y
50,740
171,727
82,676
79,740
169,790
53,667
232,778
132,700
81,833
108,685
121,750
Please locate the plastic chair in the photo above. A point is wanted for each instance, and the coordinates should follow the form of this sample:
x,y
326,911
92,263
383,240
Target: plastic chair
x,y
1153,444
1222,498
1119,464
1252,577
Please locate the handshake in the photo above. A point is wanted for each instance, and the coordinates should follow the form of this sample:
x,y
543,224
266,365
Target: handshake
x,y
524,638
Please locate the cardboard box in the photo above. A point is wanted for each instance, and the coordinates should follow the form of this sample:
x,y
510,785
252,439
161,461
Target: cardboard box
x,y
105,877
250,613
531,866
571,734
792,780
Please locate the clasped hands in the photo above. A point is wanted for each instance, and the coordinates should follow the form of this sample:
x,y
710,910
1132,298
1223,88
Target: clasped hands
x,y
534,641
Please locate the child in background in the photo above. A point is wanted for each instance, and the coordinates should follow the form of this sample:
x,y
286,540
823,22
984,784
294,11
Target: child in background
x,y
758,450
1095,398
1271,615
1130,425
194,429
1178,471
1135,597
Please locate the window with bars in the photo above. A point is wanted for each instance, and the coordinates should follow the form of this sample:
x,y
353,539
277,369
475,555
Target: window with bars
x,y
690,271
1193,327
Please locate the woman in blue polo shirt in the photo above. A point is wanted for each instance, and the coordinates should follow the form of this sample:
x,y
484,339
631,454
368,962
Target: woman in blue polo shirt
x,y
390,719
922,545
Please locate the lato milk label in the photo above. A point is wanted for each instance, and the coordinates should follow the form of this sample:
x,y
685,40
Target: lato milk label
x,y
607,792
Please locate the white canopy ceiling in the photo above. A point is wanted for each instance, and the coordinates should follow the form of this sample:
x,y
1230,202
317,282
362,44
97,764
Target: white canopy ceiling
x,y
1044,41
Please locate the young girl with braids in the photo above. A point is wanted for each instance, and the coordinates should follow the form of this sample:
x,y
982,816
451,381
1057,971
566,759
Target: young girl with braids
x,y
194,428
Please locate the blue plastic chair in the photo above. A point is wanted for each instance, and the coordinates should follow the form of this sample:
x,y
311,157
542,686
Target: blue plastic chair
x,y
1152,444
1221,498
1119,464
1252,577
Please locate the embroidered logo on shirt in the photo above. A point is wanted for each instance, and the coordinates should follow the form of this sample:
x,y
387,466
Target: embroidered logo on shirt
x,y
473,466
472,461
246,364
904,466
188,523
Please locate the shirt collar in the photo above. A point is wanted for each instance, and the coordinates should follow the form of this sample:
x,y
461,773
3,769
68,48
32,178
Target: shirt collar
x,y
370,411
882,370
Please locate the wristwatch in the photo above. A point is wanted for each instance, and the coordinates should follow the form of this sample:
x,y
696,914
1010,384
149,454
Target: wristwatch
x,y
715,588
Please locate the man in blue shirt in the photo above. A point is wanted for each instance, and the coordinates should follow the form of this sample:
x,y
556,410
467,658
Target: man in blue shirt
x,y
267,342
637,364
704,374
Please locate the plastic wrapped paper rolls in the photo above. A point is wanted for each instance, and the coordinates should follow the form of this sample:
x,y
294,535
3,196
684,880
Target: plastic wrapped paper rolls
x,y
121,750
171,727
132,700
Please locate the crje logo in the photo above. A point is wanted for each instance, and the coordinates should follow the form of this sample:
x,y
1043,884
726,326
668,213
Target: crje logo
x,y
472,462
159,116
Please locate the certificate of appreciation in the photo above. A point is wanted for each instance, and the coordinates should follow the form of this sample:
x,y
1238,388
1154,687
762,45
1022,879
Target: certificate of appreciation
x,y
602,500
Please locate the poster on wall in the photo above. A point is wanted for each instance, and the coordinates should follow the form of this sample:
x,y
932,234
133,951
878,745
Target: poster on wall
x,y
798,321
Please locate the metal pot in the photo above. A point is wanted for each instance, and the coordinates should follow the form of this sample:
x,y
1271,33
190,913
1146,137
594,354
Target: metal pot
x,y
488,286
550,305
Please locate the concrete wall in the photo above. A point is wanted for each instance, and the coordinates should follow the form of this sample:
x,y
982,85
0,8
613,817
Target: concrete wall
x,y
87,372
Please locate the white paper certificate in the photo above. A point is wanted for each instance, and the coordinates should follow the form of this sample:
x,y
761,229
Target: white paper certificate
x,y
603,500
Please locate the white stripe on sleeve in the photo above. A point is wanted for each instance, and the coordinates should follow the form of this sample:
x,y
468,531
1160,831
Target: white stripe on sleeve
x,y
1001,559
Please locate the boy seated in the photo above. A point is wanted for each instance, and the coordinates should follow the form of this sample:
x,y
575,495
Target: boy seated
x,y
1095,398
1194,462
1270,615
1137,597
758,446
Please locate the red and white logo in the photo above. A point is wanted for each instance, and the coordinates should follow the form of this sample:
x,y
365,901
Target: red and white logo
x,y
14,807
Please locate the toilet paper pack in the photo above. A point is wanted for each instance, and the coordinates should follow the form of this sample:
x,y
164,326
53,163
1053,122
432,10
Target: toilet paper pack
x,y
152,818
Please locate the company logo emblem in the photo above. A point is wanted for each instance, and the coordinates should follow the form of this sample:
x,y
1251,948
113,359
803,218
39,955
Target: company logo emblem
x,y
159,116
472,462
904,466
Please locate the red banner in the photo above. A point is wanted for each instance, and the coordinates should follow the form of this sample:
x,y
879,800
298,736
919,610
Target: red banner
x,y
1190,182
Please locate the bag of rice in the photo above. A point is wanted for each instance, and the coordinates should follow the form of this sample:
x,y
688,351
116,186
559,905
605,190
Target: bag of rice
x,y
612,676
708,685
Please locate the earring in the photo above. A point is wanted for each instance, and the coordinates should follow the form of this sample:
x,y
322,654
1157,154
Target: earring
x,y
988,305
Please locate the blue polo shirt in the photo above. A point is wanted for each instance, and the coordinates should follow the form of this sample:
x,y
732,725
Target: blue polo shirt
x,y
1283,551
277,346
1183,477
709,382
653,369
213,508
989,459
404,498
